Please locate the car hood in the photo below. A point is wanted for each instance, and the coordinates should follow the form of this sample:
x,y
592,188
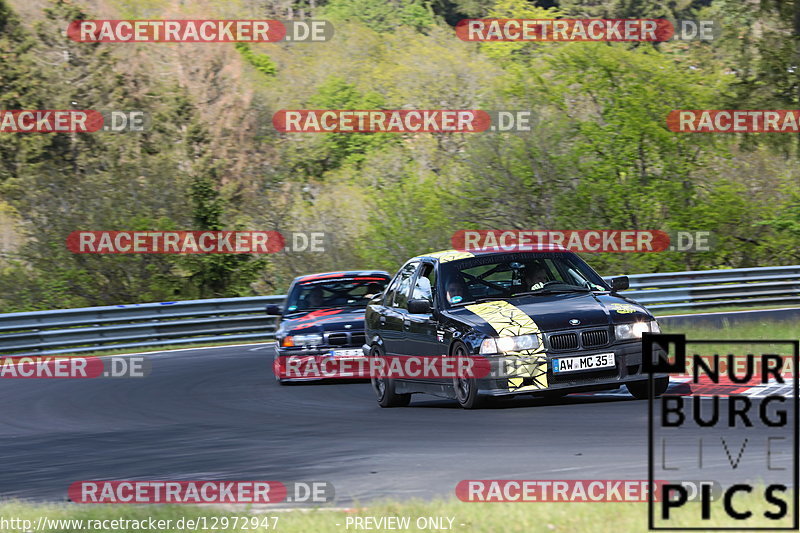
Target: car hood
x,y
553,312
322,320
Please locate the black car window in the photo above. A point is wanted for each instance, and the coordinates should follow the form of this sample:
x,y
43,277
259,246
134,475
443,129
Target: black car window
x,y
388,296
426,281
404,285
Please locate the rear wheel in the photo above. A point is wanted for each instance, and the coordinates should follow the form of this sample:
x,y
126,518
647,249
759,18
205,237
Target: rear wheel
x,y
466,389
639,389
385,390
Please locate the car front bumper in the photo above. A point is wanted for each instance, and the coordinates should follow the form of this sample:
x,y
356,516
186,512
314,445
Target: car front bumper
x,y
310,359
627,369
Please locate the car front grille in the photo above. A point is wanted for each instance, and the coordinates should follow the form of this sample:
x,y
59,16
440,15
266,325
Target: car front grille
x,y
356,339
594,337
564,341
338,339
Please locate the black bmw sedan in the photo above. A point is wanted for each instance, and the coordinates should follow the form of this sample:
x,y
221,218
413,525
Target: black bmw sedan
x,y
545,320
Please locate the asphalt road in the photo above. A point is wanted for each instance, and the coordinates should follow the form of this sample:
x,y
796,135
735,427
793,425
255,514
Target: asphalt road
x,y
218,414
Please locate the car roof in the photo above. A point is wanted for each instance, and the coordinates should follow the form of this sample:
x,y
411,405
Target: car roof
x,y
445,256
341,274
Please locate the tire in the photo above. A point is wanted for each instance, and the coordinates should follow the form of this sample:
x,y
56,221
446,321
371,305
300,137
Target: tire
x,y
638,389
384,388
465,389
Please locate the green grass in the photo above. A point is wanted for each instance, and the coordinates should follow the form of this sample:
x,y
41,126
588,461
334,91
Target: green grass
x,y
748,331
467,517
762,330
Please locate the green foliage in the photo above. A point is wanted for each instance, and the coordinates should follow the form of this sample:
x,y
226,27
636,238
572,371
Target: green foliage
x,y
382,15
632,168
329,151
61,183
216,275
630,9
454,10
406,220
22,86
261,62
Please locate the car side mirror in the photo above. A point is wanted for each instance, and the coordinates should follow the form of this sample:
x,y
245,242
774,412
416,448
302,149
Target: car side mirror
x,y
620,283
419,306
273,309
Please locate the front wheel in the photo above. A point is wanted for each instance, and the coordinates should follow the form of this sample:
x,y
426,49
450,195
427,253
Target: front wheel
x,y
385,390
466,389
639,389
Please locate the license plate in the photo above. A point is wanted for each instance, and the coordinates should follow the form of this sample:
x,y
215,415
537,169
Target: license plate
x,y
586,362
351,352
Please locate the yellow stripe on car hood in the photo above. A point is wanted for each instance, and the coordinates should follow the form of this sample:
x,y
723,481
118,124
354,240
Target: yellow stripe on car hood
x,y
510,321
506,319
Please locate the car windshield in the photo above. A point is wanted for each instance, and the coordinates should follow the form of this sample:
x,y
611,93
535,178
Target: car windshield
x,y
504,276
341,292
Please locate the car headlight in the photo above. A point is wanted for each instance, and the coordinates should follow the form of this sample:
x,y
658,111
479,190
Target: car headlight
x,y
634,330
312,339
519,343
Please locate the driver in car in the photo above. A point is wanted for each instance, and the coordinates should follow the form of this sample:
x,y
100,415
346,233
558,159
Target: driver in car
x,y
456,290
316,298
373,289
536,276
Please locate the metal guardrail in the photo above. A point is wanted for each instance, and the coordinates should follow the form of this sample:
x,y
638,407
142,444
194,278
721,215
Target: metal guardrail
x,y
138,325
244,319
714,288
